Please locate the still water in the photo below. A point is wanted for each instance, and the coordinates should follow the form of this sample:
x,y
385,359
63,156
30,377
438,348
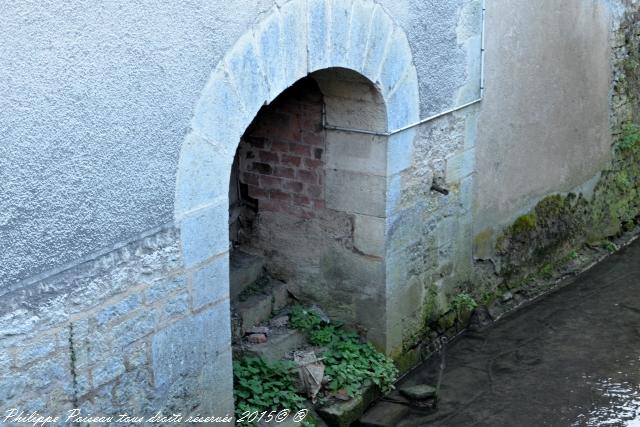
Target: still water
x,y
572,359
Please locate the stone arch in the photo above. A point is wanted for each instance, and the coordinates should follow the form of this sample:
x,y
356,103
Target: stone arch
x,y
294,40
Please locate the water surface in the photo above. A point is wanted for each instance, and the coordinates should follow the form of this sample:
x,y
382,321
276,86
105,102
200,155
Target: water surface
x,y
572,359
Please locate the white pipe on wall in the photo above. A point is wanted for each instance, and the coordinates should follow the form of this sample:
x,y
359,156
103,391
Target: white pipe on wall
x,y
430,118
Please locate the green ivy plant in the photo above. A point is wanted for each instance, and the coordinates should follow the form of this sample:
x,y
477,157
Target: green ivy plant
x,y
349,362
463,303
262,385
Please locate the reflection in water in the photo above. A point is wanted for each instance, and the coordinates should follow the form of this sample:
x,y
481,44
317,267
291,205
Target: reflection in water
x,y
616,403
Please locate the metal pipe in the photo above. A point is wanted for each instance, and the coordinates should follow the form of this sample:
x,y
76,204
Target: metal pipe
x,y
430,118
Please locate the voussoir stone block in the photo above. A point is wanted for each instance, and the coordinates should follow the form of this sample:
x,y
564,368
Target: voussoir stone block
x,y
247,75
212,118
396,63
293,34
202,233
403,107
339,32
272,60
377,43
359,33
203,171
318,25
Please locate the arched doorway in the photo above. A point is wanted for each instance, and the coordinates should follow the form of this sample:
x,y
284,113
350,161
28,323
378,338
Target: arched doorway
x,y
295,40
308,204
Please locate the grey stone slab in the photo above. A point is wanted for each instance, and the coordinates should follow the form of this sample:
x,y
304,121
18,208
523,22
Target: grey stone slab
x,y
355,192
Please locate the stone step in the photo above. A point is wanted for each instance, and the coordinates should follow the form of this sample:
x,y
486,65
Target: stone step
x,y
384,414
256,308
343,414
244,270
279,345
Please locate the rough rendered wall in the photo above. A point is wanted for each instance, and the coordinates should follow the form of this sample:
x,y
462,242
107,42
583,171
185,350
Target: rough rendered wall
x,y
86,91
95,103
544,123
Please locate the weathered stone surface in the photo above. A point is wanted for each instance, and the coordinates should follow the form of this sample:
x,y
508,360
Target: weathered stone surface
x,y
125,306
280,295
136,327
201,238
343,414
384,414
254,310
244,269
418,392
210,282
279,322
203,167
33,351
257,338
163,288
108,371
175,307
356,192
279,345
185,347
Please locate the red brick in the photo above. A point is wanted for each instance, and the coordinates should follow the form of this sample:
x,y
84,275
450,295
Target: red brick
x,y
269,157
314,191
258,193
284,172
312,118
270,205
261,168
313,164
255,141
308,177
249,178
293,186
313,138
318,204
270,182
279,195
301,200
290,160
280,147
299,149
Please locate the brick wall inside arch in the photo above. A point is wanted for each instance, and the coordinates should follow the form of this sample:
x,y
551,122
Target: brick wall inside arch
x,y
310,201
280,158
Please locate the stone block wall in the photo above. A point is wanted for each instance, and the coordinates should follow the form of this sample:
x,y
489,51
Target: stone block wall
x,y
115,335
